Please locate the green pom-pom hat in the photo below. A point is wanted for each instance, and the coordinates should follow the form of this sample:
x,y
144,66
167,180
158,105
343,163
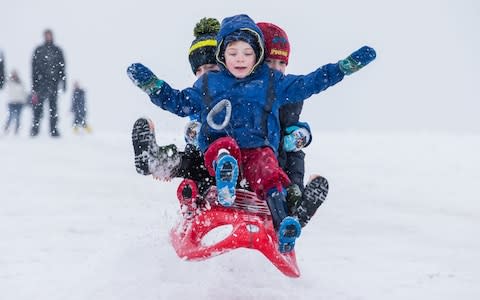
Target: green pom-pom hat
x,y
202,50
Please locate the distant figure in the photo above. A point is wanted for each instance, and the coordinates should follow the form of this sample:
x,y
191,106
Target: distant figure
x,y
16,97
48,77
79,109
2,69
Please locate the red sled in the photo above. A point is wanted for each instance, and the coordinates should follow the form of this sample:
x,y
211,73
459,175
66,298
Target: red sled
x,y
251,227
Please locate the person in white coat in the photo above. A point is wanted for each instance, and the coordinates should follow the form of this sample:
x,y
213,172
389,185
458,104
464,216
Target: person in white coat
x,y
16,99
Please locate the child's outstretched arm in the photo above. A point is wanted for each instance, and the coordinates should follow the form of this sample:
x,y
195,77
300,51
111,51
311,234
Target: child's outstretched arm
x,y
182,103
298,88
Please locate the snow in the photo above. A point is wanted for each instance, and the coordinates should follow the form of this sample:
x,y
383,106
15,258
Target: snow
x,y
398,142
400,222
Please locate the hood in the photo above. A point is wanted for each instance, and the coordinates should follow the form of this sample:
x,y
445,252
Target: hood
x,y
232,24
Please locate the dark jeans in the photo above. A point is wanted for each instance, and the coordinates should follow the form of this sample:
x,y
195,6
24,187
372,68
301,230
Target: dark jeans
x,y
14,111
51,98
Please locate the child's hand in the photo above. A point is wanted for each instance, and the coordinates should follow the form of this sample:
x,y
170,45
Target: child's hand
x,y
142,77
357,60
297,137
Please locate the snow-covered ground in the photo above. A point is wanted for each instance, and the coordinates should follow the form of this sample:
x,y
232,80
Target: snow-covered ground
x,y
398,141
401,221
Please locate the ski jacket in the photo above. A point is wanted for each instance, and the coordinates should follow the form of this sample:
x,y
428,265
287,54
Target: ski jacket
x,y
16,93
290,114
248,98
255,99
48,69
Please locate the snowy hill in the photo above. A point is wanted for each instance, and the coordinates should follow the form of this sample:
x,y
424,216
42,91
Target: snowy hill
x,y
400,222
399,143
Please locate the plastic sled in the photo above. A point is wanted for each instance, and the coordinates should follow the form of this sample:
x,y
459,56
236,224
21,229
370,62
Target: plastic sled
x,y
251,227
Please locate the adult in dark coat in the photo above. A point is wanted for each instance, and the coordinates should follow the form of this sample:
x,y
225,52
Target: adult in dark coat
x,y
48,77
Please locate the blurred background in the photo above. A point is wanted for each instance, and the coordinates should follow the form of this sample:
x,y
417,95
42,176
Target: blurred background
x,y
424,78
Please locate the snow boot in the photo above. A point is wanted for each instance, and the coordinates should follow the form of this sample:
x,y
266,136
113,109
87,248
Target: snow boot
x,y
314,195
288,232
226,175
288,228
149,157
187,194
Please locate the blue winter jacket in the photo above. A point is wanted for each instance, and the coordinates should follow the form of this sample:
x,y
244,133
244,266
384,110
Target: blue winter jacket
x,y
254,122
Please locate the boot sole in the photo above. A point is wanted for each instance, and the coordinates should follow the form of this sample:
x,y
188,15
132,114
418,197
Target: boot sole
x,y
314,195
143,133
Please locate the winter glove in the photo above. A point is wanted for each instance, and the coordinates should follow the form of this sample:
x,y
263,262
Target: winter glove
x,y
296,138
192,130
357,60
142,77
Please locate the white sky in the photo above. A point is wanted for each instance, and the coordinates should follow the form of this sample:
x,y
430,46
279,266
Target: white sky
x,y
424,78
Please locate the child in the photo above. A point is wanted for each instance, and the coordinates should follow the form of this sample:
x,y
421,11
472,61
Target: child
x,y
191,164
248,130
188,164
201,56
79,109
17,97
295,135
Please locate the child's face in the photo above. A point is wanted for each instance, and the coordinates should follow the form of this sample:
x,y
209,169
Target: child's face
x,y
276,64
239,58
205,68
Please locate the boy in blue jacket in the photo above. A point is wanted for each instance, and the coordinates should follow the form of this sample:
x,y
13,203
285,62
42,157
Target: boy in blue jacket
x,y
239,113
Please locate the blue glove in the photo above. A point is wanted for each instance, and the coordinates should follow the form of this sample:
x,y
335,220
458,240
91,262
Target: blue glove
x,y
142,77
357,60
297,137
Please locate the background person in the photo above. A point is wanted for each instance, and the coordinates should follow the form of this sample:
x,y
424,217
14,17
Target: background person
x,y
48,77
16,99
